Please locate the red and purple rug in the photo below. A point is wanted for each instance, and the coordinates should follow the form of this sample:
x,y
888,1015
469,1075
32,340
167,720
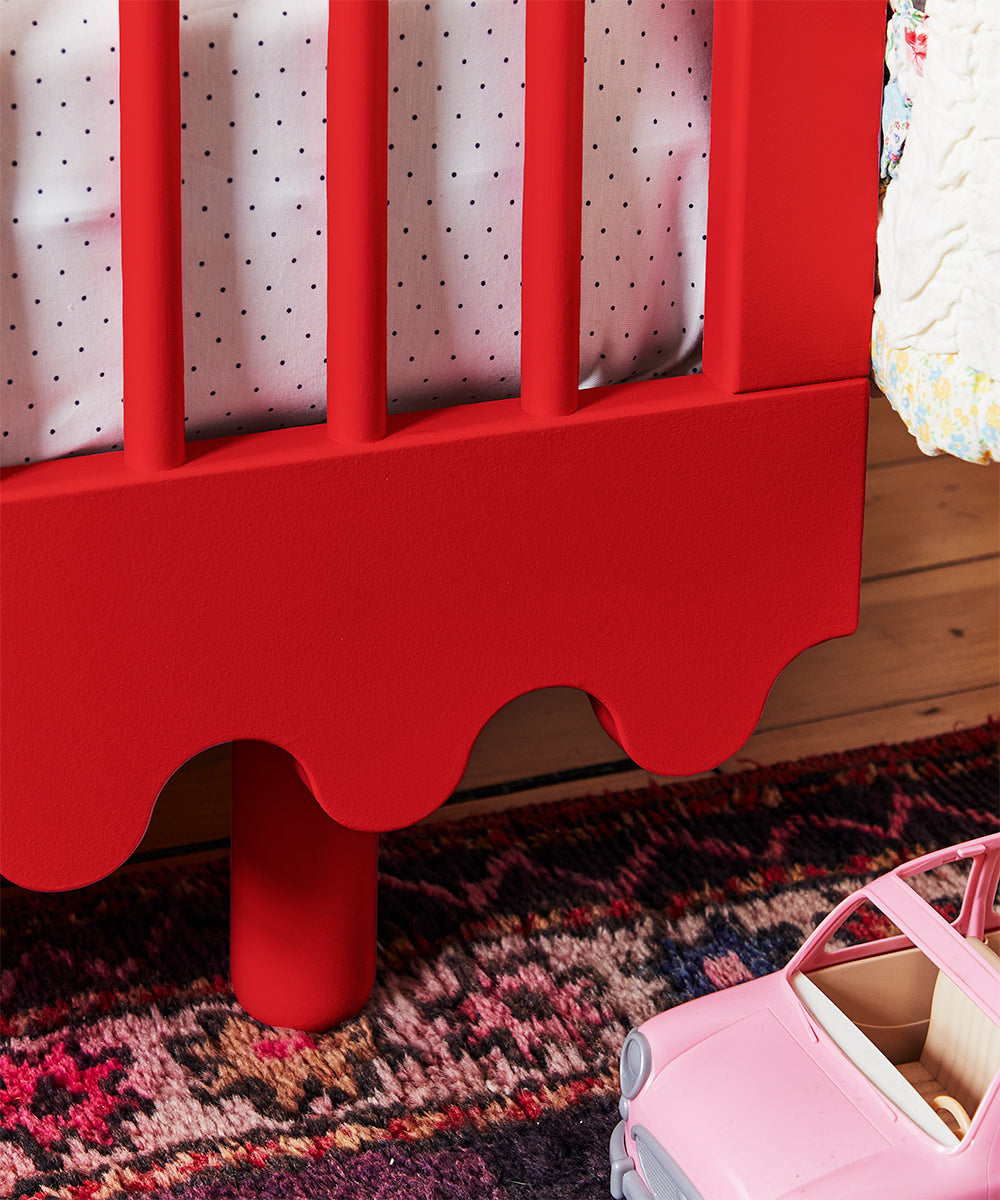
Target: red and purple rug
x,y
516,952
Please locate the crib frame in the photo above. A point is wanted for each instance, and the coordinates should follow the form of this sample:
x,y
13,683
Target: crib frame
x,y
667,547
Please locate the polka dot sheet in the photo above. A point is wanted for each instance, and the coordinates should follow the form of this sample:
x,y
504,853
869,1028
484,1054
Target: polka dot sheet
x,y
254,170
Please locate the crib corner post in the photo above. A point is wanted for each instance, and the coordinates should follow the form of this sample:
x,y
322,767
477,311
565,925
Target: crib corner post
x,y
791,245
303,899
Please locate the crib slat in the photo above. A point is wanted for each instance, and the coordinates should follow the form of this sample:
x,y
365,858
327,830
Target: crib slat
x,y
356,187
152,315
551,224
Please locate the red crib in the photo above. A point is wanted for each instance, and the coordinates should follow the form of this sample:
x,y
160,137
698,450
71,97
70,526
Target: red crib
x,y
667,546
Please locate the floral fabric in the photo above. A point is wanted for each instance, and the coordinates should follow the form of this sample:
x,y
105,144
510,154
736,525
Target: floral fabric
x,y
949,407
905,50
934,334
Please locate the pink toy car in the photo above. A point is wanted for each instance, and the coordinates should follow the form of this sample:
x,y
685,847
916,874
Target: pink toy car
x,y
869,1067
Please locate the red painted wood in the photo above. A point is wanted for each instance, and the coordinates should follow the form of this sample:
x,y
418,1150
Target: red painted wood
x,y
551,225
152,316
356,188
793,193
366,605
369,608
303,898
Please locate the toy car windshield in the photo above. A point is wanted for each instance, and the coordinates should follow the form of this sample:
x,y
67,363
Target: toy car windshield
x,y
909,989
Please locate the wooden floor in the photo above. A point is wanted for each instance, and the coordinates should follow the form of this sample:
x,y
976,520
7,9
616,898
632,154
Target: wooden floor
x,y
924,660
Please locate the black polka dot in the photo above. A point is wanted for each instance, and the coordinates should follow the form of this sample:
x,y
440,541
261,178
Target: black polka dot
x,y
253,80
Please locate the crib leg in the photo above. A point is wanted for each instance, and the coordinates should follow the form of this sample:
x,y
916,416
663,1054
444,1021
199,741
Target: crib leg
x,y
303,899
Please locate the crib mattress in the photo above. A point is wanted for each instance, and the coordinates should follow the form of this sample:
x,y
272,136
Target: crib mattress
x,y
253,111
936,331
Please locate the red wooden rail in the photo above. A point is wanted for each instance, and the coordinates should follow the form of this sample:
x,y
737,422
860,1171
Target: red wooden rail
x,y
152,312
356,134
356,227
551,225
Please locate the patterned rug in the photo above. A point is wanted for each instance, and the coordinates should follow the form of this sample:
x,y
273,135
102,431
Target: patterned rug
x,y
516,951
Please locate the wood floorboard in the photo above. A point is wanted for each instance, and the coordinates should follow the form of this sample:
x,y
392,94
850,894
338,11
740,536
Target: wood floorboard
x,y
950,512
920,638
916,632
832,735
925,659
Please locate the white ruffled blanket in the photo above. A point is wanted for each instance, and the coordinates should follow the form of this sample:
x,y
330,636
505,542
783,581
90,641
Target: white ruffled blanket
x,y
939,235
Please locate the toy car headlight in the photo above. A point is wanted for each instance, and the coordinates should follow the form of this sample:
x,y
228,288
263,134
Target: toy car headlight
x,y
636,1064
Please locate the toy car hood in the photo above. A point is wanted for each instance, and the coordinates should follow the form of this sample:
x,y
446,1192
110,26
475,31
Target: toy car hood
x,y
763,1121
